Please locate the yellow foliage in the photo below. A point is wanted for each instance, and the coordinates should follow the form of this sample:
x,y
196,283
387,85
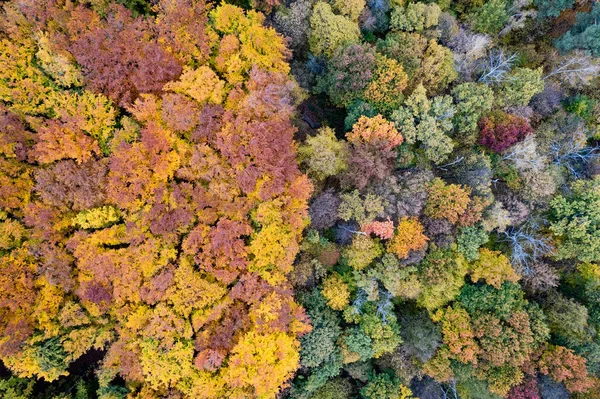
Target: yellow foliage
x,y
272,252
202,84
409,237
96,218
261,363
60,66
49,299
192,291
388,83
336,292
246,43
11,234
164,368
494,268
92,113
22,85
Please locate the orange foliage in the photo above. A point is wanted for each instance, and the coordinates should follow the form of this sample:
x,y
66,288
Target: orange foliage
x,y
409,237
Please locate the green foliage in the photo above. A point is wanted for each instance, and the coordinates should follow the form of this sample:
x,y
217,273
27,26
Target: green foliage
x,y
575,220
491,17
414,17
324,155
442,274
16,388
584,35
552,8
469,240
519,87
330,31
568,321
338,388
384,386
427,123
473,100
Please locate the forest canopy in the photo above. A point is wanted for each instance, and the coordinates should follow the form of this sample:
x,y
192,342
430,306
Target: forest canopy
x,y
300,199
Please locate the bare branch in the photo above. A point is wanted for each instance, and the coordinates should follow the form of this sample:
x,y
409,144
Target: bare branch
x,y
497,66
527,246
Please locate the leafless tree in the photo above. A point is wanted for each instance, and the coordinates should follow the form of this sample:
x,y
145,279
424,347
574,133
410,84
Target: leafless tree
x,y
496,66
573,157
527,246
525,155
576,69
449,390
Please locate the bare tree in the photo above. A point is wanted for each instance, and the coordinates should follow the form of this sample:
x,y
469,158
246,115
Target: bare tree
x,y
496,66
576,69
449,390
527,246
572,156
518,14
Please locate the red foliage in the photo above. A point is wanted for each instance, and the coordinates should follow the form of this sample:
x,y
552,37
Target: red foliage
x,y
69,185
182,27
527,390
499,130
120,55
15,138
384,230
373,150
565,366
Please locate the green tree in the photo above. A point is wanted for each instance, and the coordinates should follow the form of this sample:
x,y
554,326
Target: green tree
x,y
473,100
552,8
384,386
415,17
491,17
323,154
427,123
330,31
519,87
575,222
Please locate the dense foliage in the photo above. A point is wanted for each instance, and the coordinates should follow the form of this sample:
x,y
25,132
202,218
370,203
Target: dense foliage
x,y
309,199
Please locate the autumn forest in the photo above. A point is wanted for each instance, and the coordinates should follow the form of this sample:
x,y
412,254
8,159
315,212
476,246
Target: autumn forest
x,y
299,199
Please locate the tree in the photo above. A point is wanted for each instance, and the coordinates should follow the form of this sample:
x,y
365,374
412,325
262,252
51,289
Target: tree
x,y
362,252
389,80
519,87
494,268
428,122
330,31
349,72
373,143
350,9
442,274
568,320
261,363
584,34
573,220
336,292
527,390
415,17
548,9
469,241
566,367
499,130
491,17
446,201
383,386
109,49
323,154
473,100
409,237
